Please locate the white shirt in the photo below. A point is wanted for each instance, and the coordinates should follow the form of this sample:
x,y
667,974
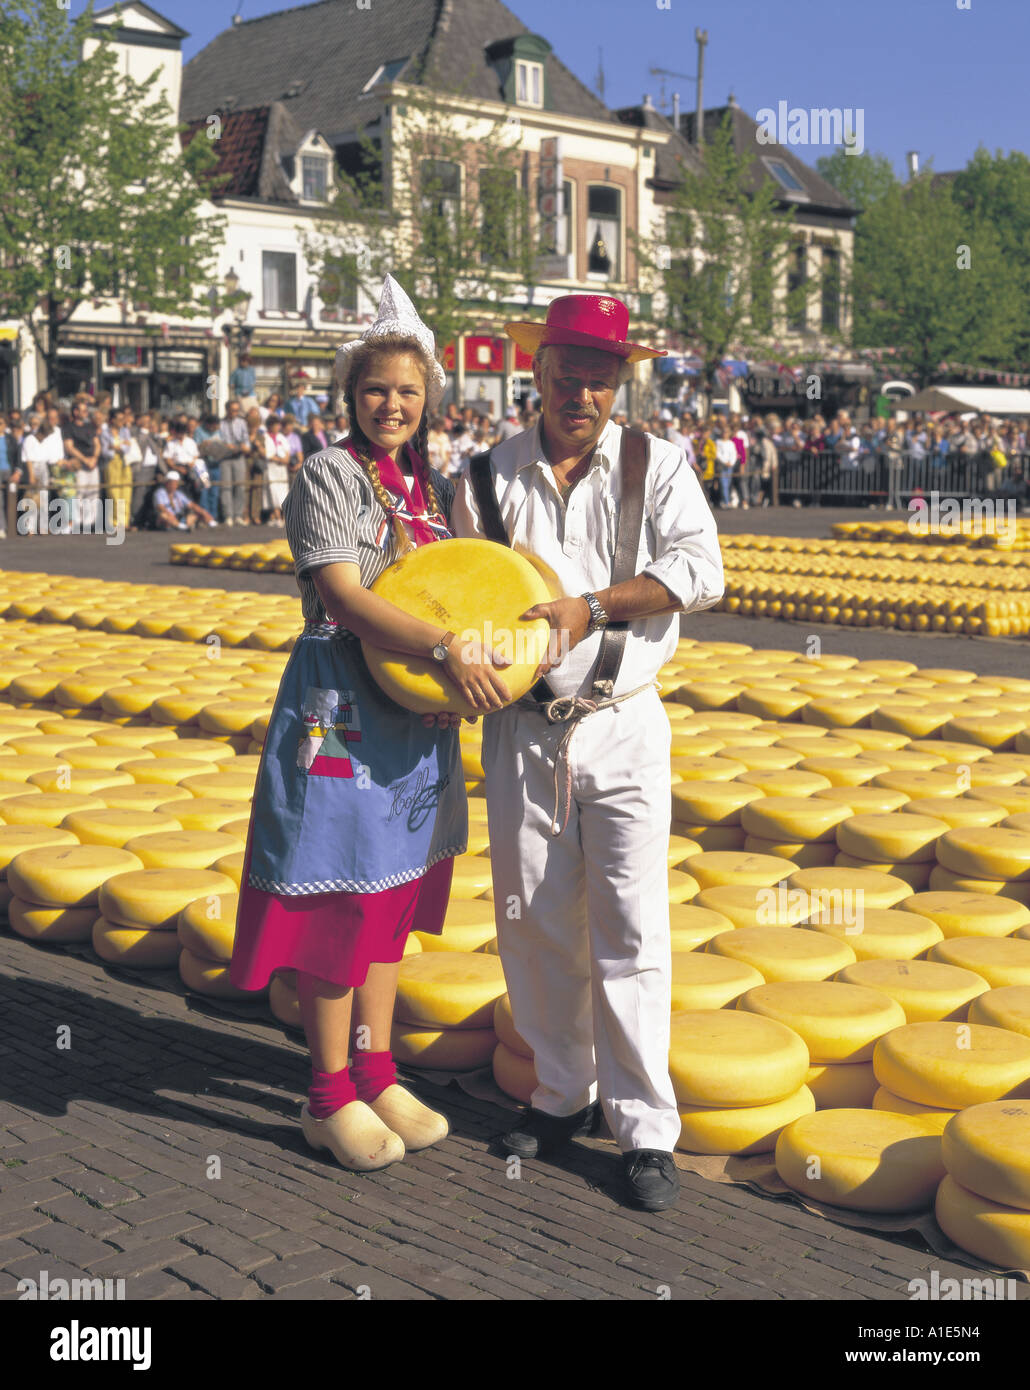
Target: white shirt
x,y
679,545
181,454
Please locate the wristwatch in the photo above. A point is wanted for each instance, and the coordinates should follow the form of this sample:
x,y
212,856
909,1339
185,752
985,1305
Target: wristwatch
x,y
598,617
440,650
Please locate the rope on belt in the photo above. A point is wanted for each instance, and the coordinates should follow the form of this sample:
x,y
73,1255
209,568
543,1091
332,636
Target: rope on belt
x,y
571,709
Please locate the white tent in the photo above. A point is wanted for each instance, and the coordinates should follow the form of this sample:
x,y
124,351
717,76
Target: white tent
x,y
985,400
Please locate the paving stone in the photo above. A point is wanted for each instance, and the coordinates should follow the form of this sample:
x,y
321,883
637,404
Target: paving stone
x,y
105,1192
154,1254
209,1275
73,1211
296,1269
65,1242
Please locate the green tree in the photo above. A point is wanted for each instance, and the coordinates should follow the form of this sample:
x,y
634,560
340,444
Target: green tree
x,y
863,179
96,197
933,280
996,189
439,210
725,248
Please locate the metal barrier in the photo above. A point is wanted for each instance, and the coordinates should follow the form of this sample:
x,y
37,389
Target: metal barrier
x,y
826,479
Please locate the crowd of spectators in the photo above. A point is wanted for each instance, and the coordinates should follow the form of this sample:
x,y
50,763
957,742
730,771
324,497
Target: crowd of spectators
x,y
179,471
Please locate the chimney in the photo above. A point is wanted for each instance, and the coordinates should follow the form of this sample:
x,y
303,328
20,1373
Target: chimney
x,y
913,163
236,19
648,106
675,110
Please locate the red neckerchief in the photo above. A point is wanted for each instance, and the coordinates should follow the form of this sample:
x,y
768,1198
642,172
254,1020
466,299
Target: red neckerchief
x,y
413,495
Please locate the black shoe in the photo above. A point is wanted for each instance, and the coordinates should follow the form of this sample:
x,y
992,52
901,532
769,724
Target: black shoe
x,y
650,1179
538,1134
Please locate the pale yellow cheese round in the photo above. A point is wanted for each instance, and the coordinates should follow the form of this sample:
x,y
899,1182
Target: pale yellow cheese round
x,y
1000,961
952,1065
713,870
283,1001
740,1130
840,771
838,1022
136,947
887,1100
15,839
917,876
895,837
514,1073
793,818
921,785
231,865
461,589
955,810
183,849
45,808
705,768
1006,1007
928,991
143,797
443,1049
210,977
203,812
877,889
723,1057
868,798
714,838
504,1027
108,826
864,1160
155,897
989,731
986,1148
471,876
449,989
692,926
747,905
880,933
711,802
167,771
207,926
784,953
800,855
704,981
993,1232
681,848
986,852
969,914
58,924
794,782
66,875
943,880
841,1085
468,925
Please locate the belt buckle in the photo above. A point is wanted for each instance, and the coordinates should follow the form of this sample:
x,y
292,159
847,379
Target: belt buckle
x,y
604,689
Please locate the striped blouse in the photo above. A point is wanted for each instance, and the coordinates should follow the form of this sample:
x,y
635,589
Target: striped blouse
x,y
332,515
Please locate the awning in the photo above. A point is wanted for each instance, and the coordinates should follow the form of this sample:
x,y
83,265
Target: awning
x,y
985,400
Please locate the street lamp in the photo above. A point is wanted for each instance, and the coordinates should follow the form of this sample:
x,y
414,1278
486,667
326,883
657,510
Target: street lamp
x,y
237,336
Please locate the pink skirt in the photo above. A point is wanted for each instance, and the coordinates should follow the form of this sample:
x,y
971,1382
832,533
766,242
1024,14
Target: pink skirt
x,y
335,936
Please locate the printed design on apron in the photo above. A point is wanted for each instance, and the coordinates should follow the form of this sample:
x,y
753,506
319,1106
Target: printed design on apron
x,y
331,722
416,802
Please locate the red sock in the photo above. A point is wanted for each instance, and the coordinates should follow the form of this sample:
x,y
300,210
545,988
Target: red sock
x,y
372,1073
329,1091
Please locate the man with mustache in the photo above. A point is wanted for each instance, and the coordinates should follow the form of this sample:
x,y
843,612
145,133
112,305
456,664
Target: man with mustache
x,y
577,773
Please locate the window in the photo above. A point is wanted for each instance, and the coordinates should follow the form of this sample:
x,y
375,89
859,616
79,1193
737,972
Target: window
x,y
604,231
315,176
797,315
529,83
441,190
385,72
279,280
831,290
783,176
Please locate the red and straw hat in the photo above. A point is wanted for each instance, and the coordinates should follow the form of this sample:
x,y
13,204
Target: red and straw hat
x,y
583,320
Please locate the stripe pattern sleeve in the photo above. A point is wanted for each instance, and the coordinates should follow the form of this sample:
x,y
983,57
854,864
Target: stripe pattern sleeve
x,y
321,512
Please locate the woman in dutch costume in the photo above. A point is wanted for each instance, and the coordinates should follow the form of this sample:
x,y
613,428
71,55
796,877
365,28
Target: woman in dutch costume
x,y
360,805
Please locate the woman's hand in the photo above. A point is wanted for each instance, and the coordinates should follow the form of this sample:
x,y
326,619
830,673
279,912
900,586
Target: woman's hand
x,y
471,667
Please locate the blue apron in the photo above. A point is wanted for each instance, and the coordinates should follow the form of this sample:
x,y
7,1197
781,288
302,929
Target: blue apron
x,y
354,794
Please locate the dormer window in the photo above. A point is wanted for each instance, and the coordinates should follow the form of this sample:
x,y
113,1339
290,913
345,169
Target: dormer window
x,y
315,175
529,83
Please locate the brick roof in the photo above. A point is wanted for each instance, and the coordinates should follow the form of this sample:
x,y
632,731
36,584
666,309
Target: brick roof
x,y
248,150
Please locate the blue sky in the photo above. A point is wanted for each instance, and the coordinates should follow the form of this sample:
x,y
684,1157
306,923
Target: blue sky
x,y
927,75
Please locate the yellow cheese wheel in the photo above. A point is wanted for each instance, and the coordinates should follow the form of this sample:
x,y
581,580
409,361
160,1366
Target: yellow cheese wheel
x,y
837,1022
203,812
715,838
876,740
916,721
142,797
704,981
894,837
449,989
144,735
114,827
917,876
711,802
1014,800
753,758
986,1148
514,1074
444,1049
231,865
864,1160
887,1100
993,1232
841,1086
784,953
462,590
953,1065
969,914
771,702
740,1130
57,924
692,927
15,839
183,849
205,750
955,810
471,876
681,848
921,785
929,991
746,905
47,744
134,946
46,809
705,768
877,889
1007,1007
793,818
80,780
880,933
504,1027
713,869
839,713
207,927
468,926
682,886
989,731
210,977
943,880
869,798
1000,960
166,771
986,852
723,1057
155,897
839,771
794,782
66,875
800,855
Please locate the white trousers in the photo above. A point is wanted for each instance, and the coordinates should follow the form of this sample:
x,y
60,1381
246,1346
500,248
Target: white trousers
x,y
583,917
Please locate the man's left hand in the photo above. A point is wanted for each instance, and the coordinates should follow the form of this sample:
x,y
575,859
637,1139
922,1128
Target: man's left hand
x,y
569,618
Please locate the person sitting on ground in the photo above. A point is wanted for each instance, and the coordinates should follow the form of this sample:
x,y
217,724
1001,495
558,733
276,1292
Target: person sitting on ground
x,y
173,510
